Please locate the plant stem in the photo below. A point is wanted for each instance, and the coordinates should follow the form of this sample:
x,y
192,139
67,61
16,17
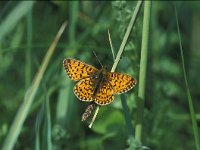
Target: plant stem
x,y
142,73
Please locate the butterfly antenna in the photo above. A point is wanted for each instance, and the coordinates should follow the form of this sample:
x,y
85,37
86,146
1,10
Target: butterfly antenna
x,y
97,59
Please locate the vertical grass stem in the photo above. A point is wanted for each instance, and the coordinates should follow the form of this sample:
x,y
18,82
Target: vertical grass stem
x,y
142,73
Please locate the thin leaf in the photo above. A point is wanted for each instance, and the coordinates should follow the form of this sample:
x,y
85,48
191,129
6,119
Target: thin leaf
x,y
189,97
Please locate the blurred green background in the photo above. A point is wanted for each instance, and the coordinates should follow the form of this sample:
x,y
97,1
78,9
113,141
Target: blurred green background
x,y
54,121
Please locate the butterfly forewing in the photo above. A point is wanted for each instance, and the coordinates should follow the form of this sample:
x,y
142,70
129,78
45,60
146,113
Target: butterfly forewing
x,y
77,70
120,82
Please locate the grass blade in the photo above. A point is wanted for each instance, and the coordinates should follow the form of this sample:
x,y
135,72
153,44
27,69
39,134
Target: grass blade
x,y
38,124
29,96
128,31
11,20
73,20
65,105
189,97
28,51
142,73
111,46
48,123
127,115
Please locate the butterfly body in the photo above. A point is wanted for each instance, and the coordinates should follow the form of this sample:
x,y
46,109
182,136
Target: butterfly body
x,y
98,85
99,80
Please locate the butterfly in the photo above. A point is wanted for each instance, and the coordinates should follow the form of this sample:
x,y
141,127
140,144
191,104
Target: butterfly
x,y
97,85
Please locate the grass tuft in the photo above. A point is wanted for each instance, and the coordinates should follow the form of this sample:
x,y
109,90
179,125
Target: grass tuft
x,y
23,111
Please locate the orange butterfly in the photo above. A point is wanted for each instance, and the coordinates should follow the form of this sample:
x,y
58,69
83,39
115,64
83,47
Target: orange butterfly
x,y
96,85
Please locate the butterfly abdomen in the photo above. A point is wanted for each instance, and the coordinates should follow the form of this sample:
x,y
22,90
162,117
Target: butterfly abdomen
x,y
88,111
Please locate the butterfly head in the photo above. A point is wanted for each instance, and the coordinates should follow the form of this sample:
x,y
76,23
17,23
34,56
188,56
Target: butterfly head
x,y
104,70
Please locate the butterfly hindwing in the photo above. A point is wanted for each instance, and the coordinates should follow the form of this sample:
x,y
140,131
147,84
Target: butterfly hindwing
x,y
84,89
104,95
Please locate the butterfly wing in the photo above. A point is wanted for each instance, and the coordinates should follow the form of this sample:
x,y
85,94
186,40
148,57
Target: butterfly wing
x,y
120,83
104,95
77,70
84,89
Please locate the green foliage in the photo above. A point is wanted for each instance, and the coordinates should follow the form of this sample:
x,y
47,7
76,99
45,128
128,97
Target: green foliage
x,y
53,120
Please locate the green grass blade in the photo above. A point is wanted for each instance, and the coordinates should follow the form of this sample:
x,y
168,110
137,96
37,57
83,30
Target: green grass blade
x,y
142,73
23,111
38,124
111,45
28,51
189,97
73,19
12,19
127,116
65,105
48,123
128,31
